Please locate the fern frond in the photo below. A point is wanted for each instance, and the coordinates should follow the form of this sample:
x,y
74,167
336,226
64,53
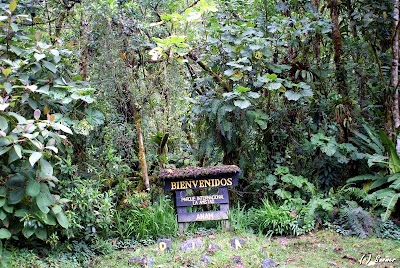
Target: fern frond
x,y
396,181
365,177
389,202
375,139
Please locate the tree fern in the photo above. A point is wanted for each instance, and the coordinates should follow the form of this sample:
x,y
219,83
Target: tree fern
x,y
354,220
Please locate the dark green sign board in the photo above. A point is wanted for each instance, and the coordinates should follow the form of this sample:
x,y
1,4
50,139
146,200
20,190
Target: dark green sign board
x,y
181,180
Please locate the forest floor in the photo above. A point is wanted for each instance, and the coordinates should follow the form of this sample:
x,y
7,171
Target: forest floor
x,y
224,249
237,250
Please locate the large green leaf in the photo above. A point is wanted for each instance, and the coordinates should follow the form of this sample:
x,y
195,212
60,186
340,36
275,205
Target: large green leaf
x,y
2,201
3,124
41,233
39,56
62,220
261,123
365,177
33,188
14,154
94,117
20,213
16,196
4,150
8,208
396,182
242,104
375,138
4,233
18,150
20,119
56,209
283,194
242,89
35,157
50,66
3,215
50,220
274,86
42,203
389,202
394,160
329,148
46,168
16,180
44,189
378,182
28,231
58,126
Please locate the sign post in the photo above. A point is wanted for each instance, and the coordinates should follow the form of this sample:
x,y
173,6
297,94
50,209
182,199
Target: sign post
x,y
201,179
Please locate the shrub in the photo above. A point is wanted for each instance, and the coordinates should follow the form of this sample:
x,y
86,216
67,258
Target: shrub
x,y
353,220
38,102
273,219
92,210
143,222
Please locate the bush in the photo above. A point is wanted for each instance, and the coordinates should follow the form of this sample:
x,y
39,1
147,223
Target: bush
x,y
273,219
354,220
40,100
143,222
91,211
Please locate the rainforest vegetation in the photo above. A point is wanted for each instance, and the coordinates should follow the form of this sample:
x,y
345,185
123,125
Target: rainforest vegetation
x,y
97,96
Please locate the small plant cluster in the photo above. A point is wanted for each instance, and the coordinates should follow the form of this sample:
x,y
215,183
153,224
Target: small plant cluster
x,y
354,220
146,221
295,206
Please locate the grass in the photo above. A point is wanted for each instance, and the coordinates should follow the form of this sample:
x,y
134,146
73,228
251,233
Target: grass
x,y
320,249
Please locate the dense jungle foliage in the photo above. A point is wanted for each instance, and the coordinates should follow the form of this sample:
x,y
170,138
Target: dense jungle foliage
x,y
97,96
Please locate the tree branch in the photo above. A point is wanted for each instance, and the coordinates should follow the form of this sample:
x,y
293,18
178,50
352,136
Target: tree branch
x,y
190,6
215,76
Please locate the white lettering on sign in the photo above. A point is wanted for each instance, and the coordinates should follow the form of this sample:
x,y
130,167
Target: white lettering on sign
x,y
181,185
205,216
202,200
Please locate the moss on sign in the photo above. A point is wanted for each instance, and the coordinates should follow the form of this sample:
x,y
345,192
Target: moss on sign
x,y
195,172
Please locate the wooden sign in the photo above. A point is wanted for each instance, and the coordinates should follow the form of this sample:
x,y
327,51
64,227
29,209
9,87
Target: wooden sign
x,y
183,184
194,178
222,214
221,197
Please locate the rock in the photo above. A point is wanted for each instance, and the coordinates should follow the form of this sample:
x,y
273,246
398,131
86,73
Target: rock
x,y
191,244
237,243
212,248
267,263
236,259
164,245
142,261
205,259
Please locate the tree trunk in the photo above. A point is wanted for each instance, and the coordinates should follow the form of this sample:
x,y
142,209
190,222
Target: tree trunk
x,y
337,46
317,38
142,154
352,23
395,71
83,62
